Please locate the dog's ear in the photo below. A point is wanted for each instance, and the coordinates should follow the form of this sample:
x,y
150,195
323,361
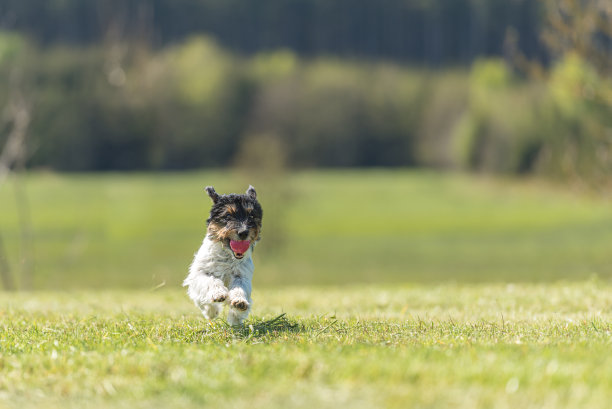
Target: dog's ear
x,y
211,192
251,192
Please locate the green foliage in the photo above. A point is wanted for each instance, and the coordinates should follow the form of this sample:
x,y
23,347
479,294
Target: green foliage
x,y
579,144
443,107
559,127
489,75
11,46
209,97
273,66
81,121
502,346
123,106
573,84
200,69
351,115
193,105
494,133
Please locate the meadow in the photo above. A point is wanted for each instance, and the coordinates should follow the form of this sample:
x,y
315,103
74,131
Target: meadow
x,y
320,228
372,288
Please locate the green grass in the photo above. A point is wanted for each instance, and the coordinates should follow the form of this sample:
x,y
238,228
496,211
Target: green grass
x,y
393,286
141,230
424,346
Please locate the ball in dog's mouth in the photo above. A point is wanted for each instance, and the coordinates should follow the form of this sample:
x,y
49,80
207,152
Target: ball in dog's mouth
x,y
239,247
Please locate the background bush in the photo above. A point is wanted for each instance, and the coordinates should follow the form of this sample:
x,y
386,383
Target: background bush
x,y
107,95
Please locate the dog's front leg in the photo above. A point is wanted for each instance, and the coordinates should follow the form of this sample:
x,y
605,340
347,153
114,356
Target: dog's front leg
x,y
204,289
240,300
217,291
208,292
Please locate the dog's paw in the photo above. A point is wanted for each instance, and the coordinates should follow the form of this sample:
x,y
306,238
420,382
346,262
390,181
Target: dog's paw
x,y
218,295
240,304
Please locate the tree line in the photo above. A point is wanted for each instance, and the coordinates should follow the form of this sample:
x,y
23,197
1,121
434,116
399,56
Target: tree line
x,y
194,104
120,104
434,32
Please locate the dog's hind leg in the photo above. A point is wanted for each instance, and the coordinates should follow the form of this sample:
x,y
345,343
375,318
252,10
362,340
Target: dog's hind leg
x,y
210,310
236,317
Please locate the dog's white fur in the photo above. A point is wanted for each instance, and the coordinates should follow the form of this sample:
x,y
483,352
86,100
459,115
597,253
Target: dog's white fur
x,y
217,277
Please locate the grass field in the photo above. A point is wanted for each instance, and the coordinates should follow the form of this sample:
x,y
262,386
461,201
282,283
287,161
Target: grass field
x,y
141,230
423,346
398,289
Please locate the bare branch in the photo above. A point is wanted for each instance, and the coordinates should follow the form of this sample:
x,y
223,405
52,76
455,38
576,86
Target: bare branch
x,y
18,114
13,155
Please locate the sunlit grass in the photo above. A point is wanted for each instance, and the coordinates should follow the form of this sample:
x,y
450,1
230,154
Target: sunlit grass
x,y
465,346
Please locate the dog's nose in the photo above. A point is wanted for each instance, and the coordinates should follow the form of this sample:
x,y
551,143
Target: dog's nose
x,y
243,234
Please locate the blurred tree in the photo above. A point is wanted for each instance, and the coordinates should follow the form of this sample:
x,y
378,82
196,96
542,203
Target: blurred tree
x,y
579,34
580,146
582,27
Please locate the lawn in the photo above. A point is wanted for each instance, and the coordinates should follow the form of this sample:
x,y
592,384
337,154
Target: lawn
x,y
424,346
324,227
373,288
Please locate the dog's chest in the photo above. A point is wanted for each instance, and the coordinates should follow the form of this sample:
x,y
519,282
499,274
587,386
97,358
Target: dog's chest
x,y
217,262
227,271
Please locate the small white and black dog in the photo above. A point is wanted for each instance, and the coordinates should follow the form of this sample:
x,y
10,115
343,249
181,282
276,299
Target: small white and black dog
x,y
222,269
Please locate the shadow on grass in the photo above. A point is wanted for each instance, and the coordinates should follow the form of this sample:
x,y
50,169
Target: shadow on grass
x,y
274,327
254,329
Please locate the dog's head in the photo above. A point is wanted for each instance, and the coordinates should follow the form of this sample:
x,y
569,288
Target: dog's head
x,y
235,220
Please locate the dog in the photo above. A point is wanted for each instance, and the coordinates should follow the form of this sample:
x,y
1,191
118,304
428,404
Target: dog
x,y
222,269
